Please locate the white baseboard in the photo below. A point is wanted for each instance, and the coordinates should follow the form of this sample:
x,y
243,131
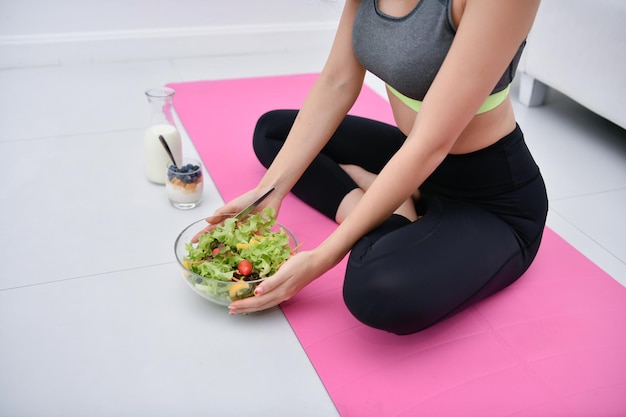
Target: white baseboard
x,y
117,46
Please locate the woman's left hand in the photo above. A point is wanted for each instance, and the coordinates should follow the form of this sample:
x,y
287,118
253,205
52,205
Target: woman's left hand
x,y
298,271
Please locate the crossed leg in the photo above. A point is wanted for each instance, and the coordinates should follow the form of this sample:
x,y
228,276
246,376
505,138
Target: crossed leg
x,y
364,179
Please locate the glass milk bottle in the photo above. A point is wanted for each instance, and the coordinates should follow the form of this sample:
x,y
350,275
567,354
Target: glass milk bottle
x,y
161,124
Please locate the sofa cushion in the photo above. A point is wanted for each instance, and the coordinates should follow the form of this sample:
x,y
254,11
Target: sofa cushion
x,y
578,47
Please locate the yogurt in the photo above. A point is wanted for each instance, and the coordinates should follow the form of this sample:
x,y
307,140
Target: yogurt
x,y
156,156
184,184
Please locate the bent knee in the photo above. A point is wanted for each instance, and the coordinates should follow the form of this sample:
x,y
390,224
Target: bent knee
x,y
386,308
270,133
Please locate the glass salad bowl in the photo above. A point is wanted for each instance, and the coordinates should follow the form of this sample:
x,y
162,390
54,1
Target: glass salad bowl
x,y
220,270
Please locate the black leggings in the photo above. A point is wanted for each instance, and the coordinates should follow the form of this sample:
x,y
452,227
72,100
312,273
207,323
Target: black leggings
x,y
483,218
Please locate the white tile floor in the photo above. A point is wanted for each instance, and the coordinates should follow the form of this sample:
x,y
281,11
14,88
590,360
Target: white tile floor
x,y
94,319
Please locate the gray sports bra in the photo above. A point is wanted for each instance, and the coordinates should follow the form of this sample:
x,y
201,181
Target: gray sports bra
x,y
407,52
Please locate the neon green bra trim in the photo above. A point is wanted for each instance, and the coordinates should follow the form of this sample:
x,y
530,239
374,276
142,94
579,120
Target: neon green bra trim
x,y
491,103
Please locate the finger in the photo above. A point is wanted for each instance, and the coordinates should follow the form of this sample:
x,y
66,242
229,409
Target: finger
x,y
207,229
268,285
266,295
217,218
253,304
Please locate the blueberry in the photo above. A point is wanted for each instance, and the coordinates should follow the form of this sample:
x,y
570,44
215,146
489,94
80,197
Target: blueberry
x,y
187,179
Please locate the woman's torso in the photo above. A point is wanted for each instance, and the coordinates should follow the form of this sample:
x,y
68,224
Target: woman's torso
x,y
484,129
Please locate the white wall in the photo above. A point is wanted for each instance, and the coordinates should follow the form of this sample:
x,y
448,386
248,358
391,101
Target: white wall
x,y
57,32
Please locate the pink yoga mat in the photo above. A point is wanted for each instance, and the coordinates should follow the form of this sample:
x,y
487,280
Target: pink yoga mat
x,y
553,344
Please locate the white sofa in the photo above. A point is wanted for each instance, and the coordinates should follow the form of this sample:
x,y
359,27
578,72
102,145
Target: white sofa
x,y
578,47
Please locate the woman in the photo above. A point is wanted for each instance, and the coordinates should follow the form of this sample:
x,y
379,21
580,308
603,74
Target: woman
x,y
437,212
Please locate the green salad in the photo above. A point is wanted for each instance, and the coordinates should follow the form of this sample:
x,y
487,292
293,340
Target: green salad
x,y
231,257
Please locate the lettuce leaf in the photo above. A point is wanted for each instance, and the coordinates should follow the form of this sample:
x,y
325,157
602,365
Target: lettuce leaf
x,y
251,239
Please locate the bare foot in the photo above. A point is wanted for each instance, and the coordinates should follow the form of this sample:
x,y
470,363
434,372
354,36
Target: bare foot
x,y
347,204
362,177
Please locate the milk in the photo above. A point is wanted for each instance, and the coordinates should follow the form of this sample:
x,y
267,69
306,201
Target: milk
x,y
156,158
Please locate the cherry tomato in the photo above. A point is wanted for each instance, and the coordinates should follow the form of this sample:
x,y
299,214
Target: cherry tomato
x,y
244,267
215,251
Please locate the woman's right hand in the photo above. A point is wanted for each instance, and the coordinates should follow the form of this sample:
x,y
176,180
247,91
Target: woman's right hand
x,y
296,273
237,204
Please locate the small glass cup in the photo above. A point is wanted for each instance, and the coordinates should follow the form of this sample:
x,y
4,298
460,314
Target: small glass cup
x,y
184,184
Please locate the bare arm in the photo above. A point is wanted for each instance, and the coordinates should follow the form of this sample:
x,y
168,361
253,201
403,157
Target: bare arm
x,y
331,97
464,81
